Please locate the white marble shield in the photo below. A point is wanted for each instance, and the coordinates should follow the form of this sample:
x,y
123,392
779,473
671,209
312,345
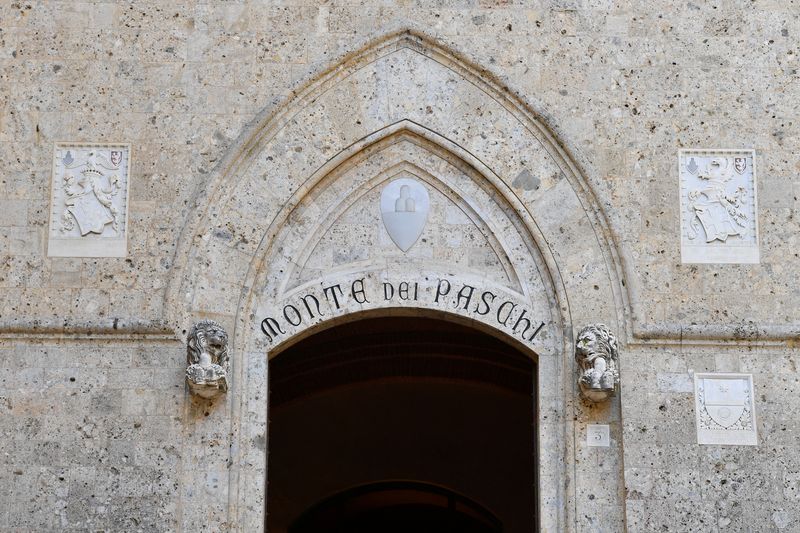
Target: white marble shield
x,y
404,208
91,215
725,400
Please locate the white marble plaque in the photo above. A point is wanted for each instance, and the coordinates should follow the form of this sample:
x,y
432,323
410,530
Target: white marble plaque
x,y
404,208
724,409
89,200
719,222
598,436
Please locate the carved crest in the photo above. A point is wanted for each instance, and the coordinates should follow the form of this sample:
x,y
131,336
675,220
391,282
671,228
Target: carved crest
x,y
724,409
89,195
740,164
714,208
116,157
719,219
88,202
404,208
725,402
692,166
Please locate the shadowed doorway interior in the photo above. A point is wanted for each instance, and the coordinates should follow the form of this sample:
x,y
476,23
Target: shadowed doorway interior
x,y
402,424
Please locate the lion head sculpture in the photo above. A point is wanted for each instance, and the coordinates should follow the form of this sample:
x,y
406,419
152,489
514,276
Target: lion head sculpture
x,y
207,357
597,355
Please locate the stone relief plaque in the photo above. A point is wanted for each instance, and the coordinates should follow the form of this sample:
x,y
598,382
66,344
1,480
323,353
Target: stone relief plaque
x,y
724,409
404,208
89,200
719,222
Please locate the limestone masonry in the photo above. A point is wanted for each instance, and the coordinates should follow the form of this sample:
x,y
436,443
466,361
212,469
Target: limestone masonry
x,y
610,187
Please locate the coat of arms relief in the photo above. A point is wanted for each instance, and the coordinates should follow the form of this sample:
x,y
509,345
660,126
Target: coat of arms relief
x,y
724,409
89,201
718,207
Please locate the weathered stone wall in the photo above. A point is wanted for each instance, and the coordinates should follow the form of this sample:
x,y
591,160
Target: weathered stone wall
x,y
623,86
674,484
92,435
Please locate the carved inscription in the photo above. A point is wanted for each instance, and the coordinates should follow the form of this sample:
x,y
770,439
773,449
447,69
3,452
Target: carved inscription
x,y
598,435
448,294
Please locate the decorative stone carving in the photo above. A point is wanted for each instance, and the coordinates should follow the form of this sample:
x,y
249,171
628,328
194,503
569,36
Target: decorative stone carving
x,y
404,208
724,409
207,357
597,355
718,206
89,200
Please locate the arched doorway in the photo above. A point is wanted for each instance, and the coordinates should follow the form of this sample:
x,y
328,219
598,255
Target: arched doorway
x,y
400,420
291,218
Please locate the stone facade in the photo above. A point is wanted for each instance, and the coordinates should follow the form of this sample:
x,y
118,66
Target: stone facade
x,y
262,134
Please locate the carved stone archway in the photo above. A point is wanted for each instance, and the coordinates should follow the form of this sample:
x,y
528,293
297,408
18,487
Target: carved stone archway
x,y
290,213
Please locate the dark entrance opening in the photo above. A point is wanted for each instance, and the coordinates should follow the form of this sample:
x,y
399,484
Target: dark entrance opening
x,y
402,424
397,507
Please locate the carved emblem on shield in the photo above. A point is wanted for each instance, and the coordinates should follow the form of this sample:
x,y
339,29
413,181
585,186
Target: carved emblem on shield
x,y
719,219
740,164
404,208
725,400
89,200
692,166
715,207
724,409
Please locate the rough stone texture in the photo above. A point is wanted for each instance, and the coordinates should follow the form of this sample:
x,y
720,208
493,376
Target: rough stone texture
x,y
623,86
94,435
673,483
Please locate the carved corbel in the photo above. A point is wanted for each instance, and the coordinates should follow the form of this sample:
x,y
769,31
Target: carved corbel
x,y
207,359
597,355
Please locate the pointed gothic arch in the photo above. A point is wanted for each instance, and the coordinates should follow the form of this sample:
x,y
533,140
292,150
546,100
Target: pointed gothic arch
x,y
289,172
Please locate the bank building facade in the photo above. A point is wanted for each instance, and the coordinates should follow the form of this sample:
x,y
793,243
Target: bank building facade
x,y
461,265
